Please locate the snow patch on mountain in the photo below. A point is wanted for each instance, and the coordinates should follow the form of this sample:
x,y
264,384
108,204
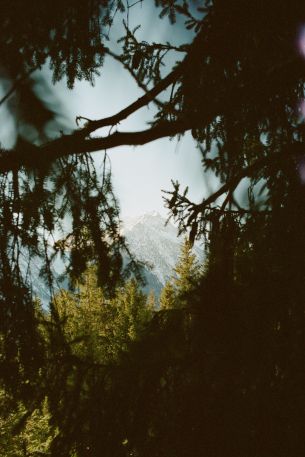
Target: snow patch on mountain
x,y
150,240
153,241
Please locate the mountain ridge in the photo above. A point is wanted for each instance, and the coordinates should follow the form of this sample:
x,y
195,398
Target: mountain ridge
x,y
155,241
151,241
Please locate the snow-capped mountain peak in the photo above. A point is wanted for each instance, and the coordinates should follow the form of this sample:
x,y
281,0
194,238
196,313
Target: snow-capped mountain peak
x,y
153,241
152,217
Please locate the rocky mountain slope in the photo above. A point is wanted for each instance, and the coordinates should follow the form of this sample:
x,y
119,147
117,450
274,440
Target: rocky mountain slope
x,y
157,244
149,240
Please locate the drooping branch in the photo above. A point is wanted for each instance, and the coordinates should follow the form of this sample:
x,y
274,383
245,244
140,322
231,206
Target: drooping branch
x,y
79,141
36,157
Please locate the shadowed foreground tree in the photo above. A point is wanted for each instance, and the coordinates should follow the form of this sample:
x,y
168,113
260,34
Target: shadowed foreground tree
x,y
225,376
90,338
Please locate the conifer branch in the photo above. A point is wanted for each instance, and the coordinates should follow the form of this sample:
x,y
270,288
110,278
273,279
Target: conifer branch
x,y
135,106
38,156
231,184
132,73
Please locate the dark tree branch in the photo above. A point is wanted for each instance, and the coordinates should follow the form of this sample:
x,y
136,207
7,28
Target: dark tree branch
x,y
132,73
35,156
231,185
194,209
135,106
78,142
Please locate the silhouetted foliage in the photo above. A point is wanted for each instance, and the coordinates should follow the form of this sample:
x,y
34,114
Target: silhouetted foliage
x,y
222,375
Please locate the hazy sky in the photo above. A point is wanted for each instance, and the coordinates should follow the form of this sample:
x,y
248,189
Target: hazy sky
x,y
139,173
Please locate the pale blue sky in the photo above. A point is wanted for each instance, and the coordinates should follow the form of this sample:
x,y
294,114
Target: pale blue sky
x,y
139,173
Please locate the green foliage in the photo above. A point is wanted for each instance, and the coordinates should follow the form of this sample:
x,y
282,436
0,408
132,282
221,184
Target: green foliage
x,y
85,333
36,435
133,313
99,328
185,280
151,301
35,205
93,335
168,296
218,370
187,270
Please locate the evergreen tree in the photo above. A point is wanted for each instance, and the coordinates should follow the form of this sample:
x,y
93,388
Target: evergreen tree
x,y
84,315
151,300
23,434
238,87
168,297
133,313
86,331
104,327
96,334
185,279
187,270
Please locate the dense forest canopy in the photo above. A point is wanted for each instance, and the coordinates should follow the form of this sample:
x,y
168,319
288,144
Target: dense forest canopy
x,y
218,370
